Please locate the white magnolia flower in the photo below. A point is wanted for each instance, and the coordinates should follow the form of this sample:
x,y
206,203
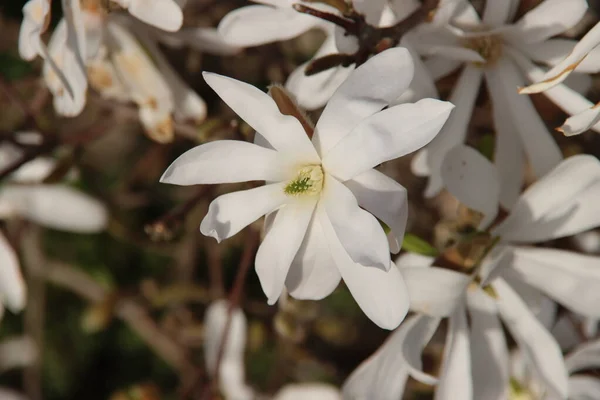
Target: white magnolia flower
x,y
276,20
232,381
163,14
64,58
51,205
583,57
502,53
516,282
317,232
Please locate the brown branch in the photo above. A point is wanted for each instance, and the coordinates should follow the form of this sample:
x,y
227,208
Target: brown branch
x,y
348,25
12,95
423,13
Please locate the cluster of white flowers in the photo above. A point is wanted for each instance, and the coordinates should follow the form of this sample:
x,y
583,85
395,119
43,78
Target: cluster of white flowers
x,y
331,216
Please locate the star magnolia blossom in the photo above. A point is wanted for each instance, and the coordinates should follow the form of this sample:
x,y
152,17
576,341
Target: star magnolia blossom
x,y
317,232
584,54
515,282
16,352
163,14
276,20
504,54
54,206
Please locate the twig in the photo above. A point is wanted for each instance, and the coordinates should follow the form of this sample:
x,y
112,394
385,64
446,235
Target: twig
x,y
15,98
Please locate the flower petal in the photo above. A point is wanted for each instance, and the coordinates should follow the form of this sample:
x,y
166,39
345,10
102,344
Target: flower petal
x,y
489,353
542,151
382,295
313,274
284,132
384,374
434,291
497,12
536,343
559,187
35,14
17,352
473,180
456,381
585,356
12,286
553,52
369,88
384,198
572,62
280,245
549,18
584,387
581,122
358,231
314,91
302,391
387,135
230,213
571,279
428,162
164,14
59,207
258,24
226,161
231,367
419,329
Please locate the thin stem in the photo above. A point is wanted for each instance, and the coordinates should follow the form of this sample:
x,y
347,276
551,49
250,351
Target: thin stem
x,y
348,25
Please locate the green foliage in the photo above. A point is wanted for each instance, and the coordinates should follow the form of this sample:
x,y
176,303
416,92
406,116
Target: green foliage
x,y
12,67
415,244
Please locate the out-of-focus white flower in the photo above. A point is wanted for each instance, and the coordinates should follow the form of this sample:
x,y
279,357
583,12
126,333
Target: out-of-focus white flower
x,y
232,381
16,352
514,284
312,391
276,20
64,58
319,234
503,54
163,14
579,58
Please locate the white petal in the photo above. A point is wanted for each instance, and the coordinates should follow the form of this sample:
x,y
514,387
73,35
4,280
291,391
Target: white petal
x,y
384,198
198,38
8,394
585,356
571,279
413,260
422,85
434,291
455,378
59,207
35,13
387,135
553,52
369,88
281,243
231,368
509,157
555,190
489,353
570,63
536,343
420,329
226,161
440,66
359,232
541,149
473,180
581,122
230,213
313,274
383,375
583,387
12,286
17,352
314,91
497,12
382,295
549,18
371,9
283,132
257,24
302,391
164,14
428,162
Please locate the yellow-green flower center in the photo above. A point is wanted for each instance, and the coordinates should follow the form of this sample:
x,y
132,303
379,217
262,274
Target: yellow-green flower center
x,y
489,48
519,392
308,181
